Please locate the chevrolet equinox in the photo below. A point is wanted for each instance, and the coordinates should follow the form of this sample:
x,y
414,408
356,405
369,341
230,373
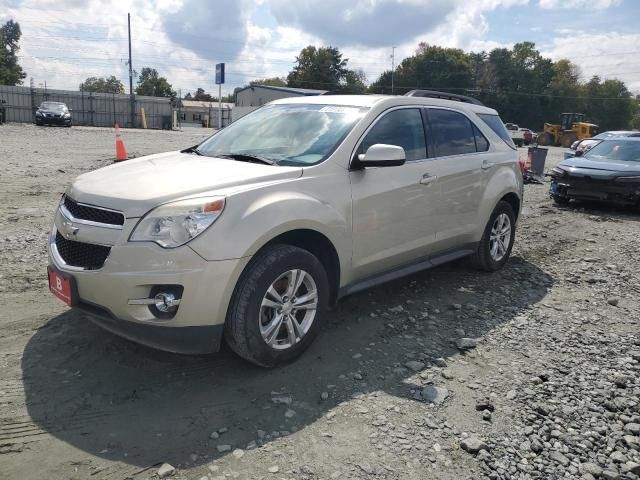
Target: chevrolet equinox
x,y
253,234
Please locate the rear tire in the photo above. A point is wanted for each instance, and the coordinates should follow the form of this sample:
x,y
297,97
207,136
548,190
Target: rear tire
x,y
545,139
270,321
567,139
495,246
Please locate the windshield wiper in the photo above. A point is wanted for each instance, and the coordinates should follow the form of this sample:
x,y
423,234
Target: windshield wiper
x,y
247,157
193,149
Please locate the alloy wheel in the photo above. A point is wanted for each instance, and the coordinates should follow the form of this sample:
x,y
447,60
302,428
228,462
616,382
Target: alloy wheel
x,y
500,237
288,309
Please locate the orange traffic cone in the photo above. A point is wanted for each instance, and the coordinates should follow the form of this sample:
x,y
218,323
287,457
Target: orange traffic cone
x,y
121,150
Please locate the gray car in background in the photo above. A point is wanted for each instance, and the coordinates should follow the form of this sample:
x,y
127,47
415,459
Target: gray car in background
x,y
609,172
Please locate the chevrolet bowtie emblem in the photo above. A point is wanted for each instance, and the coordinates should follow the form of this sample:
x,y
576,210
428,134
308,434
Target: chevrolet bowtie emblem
x,y
69,230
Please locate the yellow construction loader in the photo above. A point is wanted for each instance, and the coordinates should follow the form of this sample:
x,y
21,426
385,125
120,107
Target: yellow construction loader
x,y
572,127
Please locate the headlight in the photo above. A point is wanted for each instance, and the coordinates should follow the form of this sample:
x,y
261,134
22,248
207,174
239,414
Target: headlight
x,y
174,224
38,113
67,115
557,172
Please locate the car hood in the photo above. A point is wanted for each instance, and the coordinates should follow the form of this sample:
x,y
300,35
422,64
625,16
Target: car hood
x,y
136,186
604,168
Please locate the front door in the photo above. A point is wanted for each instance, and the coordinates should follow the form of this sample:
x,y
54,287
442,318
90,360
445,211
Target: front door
x,y
393,206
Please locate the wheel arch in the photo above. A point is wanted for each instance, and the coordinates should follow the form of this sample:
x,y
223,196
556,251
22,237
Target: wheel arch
x,y
320,246
514,200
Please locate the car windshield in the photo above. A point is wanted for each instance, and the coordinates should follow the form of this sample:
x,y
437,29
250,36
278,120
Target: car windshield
x,y
53,106
285,134
617,150
603,135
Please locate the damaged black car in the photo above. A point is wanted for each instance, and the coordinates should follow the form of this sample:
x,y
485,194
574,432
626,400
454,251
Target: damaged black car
x,y
608,173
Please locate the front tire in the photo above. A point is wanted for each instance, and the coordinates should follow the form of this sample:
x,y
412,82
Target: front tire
x,y
497,241
278,306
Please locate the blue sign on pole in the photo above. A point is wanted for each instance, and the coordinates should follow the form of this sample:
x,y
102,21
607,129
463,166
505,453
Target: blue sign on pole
x,y
219,73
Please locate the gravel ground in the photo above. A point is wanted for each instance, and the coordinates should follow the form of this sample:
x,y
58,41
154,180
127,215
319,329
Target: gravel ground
x,y
529,373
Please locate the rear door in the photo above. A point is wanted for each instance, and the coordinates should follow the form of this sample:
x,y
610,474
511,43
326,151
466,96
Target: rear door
x,y
461,156
393,206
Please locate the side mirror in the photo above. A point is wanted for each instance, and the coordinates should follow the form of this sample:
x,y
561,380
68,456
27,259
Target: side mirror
x,y
382,155
579,153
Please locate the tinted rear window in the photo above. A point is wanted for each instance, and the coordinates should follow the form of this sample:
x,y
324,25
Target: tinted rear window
x,y
482,144
495,123
452,133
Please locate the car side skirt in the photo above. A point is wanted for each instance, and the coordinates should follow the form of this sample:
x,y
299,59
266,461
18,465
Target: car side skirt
x,y
416,266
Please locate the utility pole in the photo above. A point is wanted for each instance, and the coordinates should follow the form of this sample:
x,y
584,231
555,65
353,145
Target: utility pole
x,y
393,66
132,98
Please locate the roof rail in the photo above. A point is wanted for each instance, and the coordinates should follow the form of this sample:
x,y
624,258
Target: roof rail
x,y
443,95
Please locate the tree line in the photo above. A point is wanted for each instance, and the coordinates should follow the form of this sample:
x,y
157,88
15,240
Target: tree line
x,y
519,82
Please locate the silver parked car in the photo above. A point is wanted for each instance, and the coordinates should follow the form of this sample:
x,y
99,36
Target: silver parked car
x,y
254,233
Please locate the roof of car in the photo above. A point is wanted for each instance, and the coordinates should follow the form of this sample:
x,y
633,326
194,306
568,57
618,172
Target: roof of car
x,y
386,100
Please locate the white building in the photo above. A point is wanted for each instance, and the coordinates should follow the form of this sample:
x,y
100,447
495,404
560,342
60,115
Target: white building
x,y
196,113
254,96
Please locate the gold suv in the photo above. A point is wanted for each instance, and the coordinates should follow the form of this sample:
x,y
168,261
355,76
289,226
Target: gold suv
x,y
251,235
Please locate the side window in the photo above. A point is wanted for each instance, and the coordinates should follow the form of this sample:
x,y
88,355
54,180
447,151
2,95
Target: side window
x,y
403,128
451,133
482,144
498,127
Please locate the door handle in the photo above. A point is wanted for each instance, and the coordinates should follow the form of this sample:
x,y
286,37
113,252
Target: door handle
x,y
427,179
486,165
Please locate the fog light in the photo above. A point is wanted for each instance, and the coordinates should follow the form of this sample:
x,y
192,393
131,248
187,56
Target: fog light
x,y
164,302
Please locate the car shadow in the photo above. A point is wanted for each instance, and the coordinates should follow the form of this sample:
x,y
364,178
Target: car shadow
x,y
123,402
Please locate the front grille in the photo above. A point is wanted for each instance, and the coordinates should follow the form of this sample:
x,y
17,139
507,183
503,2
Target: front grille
x,y
78,254
93,214
596,186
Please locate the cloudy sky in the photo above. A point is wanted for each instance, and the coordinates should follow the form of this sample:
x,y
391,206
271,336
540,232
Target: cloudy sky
x,y
65,42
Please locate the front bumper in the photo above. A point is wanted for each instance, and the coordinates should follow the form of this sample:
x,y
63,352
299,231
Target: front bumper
x,y
607,191
53,120
133,270
187,340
